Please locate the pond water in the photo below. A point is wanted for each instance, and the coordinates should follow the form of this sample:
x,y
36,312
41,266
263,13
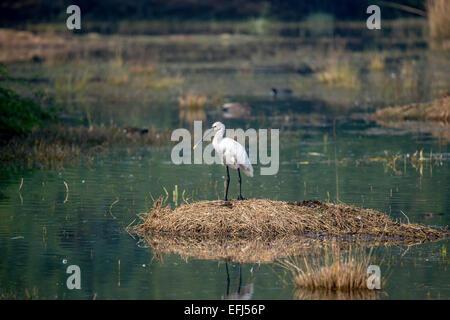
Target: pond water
x,y
326,153
41,228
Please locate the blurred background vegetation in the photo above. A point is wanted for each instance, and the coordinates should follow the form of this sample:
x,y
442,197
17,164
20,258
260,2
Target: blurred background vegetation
x,y
18,12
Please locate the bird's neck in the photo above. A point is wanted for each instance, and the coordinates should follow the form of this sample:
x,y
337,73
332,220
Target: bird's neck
x,y
218,136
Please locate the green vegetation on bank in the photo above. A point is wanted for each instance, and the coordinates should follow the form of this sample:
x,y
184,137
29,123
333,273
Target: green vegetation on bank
x,y
19,115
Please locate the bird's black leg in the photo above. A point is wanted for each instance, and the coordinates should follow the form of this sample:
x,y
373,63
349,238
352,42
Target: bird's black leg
x,y
228,278
240,278
228,183
240,186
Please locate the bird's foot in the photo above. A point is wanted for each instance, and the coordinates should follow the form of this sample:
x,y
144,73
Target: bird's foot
x,y
241,198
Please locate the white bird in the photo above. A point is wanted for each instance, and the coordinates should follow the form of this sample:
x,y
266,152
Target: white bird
x,y
232,154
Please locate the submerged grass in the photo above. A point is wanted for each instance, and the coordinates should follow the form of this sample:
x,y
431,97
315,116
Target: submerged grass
x,y
271,219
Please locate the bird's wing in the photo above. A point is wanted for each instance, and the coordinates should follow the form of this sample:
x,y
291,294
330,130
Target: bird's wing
x,y
237,151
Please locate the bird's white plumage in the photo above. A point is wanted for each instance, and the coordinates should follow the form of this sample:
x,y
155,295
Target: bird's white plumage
x,y
231,152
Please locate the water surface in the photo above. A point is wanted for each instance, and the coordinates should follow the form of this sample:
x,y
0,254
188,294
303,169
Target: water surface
x,y
326,153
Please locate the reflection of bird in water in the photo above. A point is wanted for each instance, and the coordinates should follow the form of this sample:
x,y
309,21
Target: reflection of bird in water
x,y
232,154
245,293
281,92
134,130
235,110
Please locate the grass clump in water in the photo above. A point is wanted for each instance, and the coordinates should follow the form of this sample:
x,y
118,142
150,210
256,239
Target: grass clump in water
x,y
336,273
437,110
339,73
192,101
377,62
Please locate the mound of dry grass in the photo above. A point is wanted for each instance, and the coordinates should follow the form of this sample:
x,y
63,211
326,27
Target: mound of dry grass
x,y
437,110
271,219
429,118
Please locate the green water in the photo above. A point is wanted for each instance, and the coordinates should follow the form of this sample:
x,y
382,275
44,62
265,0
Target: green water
x,y
87,228
327,152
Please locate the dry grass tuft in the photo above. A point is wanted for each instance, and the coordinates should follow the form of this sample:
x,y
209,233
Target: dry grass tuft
x,y
339,73
377,62
334,271
272,219
336,274
192,101
438,18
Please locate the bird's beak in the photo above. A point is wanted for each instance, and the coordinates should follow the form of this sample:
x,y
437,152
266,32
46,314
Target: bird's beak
x,y
204,137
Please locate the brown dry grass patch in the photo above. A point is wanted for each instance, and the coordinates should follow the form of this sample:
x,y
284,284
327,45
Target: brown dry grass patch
x,y
333,274
438,18
272,219
431,118
334,271
437,111
192,101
